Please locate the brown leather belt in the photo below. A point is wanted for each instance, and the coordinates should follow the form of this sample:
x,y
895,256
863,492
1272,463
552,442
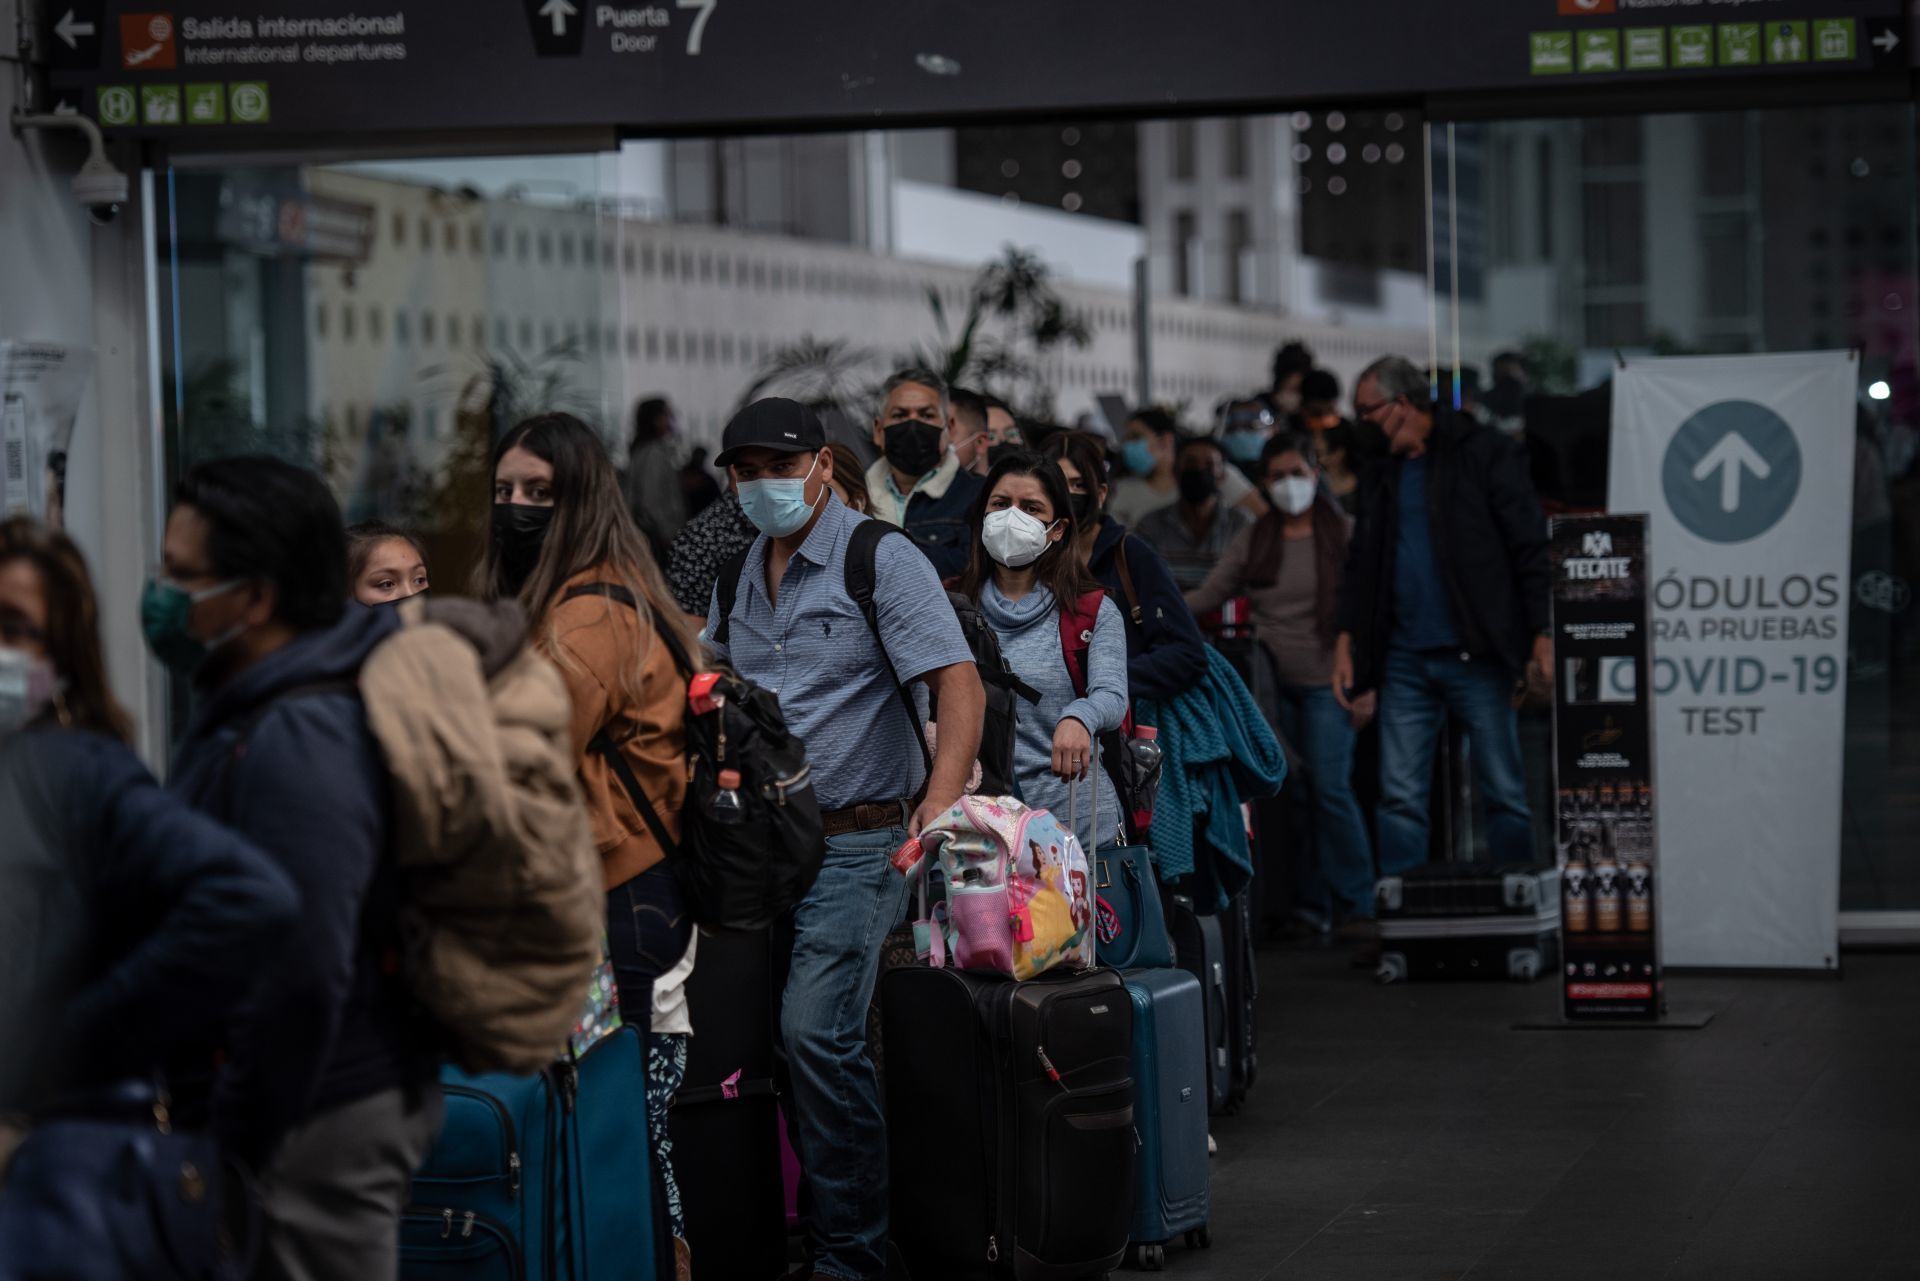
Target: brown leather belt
x,y
864,818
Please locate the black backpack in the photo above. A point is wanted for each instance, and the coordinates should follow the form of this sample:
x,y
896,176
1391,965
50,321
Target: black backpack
x,y
735,876
998,679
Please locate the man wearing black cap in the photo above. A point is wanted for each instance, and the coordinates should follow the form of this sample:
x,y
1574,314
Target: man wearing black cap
x,y
789,623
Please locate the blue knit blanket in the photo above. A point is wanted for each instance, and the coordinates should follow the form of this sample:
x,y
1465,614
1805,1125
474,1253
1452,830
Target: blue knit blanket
x,y
1217,752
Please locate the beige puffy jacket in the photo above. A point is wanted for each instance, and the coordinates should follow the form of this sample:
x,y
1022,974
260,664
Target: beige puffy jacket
x,y
505,909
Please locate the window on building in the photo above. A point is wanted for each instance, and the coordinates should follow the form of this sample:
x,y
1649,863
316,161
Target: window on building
x,y
673,345
499,242
606,251
453,331
479,331
1183,253
450,238
549,336
427,328
520,240
402,327
628,259
633,343
1183,149
546,248
1239,254
653,344
610,338
502,332
476,241
566,249
1237,146
526,333
669,262
399,229
706,267
426,234
320,320
373,324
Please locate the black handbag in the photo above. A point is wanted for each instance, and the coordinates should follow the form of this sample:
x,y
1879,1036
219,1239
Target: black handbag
x,y
1132,933
104,1189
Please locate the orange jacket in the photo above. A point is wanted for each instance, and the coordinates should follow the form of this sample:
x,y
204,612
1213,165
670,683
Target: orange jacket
x,y
596,642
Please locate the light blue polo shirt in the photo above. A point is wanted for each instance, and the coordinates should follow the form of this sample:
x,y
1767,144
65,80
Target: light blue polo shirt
x,y
817,653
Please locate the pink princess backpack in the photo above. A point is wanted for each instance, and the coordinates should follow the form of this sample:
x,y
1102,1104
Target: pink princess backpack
x,y
1014,897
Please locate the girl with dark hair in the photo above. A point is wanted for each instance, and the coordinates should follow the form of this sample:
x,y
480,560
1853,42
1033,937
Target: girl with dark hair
x,y
130,926
384,563
1166,655
1289,565
1025,573
564,544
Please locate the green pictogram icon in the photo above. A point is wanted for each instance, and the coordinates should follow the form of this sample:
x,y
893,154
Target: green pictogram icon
x,y
1600,50
1693,46
117,105
1552,53
1786,42
1833,40
160,104
249,101
1739,44
206,104
1646,48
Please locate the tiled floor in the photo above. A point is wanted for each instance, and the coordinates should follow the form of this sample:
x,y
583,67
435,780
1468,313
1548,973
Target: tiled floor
x,y
1408,1134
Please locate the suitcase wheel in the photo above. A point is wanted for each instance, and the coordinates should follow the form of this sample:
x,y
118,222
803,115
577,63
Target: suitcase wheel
x,y
1393,968
1201,1238
1150,1258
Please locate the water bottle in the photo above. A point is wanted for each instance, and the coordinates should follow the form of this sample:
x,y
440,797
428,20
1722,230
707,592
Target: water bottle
x,y
726,806
1146,749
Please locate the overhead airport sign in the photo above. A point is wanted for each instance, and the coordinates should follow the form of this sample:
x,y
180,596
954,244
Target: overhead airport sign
x,y
336,67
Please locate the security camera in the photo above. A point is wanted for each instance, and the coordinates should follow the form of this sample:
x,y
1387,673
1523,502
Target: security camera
x,y
99,186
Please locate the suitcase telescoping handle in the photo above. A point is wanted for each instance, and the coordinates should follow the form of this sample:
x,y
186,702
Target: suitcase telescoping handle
x,y
1073,801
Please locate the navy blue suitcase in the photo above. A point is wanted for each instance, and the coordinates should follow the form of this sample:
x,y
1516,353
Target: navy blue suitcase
x,y
539,1178
1170,1186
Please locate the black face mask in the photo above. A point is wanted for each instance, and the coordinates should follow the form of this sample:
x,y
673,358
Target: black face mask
x,y
1081,505
1005,449
915,448
1197,486
519,532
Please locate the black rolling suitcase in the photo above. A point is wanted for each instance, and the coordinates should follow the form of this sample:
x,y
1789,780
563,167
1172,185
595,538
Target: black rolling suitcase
x,y
1010,1123
725,1117
1469,920
1218,950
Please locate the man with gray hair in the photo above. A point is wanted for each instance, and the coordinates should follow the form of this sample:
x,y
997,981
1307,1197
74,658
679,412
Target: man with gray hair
x,y
919,483
1442,608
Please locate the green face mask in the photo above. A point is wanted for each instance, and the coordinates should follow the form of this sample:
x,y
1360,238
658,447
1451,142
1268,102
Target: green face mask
x,y
166,611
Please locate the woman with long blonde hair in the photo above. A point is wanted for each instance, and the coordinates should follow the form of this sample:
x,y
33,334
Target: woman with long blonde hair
x,y
566,547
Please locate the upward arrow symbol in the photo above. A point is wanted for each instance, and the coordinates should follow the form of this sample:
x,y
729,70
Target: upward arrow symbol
x,y
559,11
1728,457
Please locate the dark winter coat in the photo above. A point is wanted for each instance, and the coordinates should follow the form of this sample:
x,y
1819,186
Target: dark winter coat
x,y
1166,655
1489,540
129,924
300,775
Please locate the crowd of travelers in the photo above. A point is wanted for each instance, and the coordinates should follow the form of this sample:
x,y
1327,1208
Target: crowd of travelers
x,y
231,951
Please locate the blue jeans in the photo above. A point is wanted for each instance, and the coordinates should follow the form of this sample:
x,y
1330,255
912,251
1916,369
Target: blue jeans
x,y
838,931
1341,863
1419,690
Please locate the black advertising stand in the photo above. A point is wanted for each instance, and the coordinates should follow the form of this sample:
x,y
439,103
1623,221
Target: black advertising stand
x,y
1604,786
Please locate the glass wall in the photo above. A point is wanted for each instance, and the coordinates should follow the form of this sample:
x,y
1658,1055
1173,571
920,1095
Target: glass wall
x,y
1588,241
382,321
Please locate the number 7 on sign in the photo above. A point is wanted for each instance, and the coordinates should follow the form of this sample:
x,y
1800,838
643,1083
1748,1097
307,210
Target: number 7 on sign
x,y
706,8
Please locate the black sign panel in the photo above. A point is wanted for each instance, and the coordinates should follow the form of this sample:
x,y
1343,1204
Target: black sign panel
x,y
70,34
344,67
1603,767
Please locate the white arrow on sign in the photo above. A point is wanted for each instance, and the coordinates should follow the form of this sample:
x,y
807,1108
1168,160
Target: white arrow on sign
x,y
1887,41
559,11
1728,457
70,30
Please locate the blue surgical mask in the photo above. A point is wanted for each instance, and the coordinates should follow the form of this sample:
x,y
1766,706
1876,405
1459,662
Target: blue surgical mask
x,y
777,507
1138,456
1244,446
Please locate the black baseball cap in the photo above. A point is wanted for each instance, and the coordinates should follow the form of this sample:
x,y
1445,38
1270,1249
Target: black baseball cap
x,y
776,423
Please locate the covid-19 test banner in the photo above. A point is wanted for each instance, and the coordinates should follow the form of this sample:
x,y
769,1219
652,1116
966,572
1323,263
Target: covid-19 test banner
x,y
1745,467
